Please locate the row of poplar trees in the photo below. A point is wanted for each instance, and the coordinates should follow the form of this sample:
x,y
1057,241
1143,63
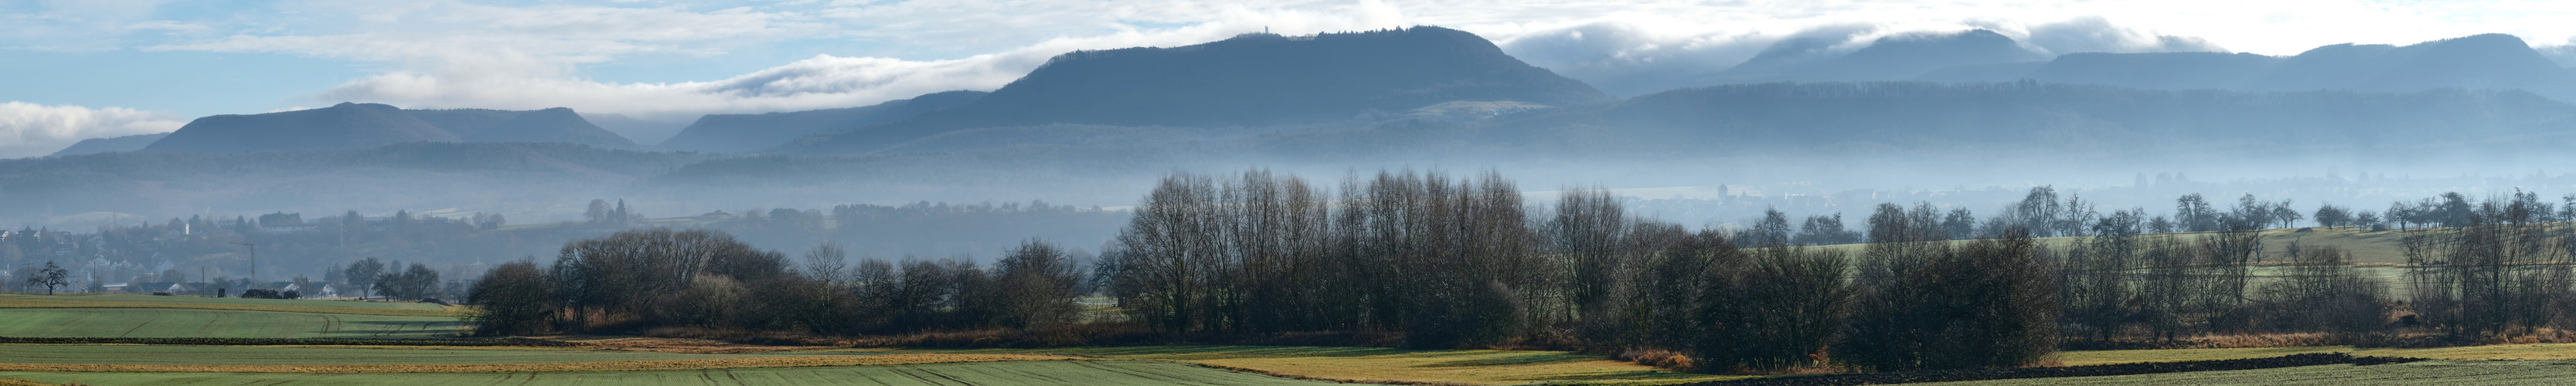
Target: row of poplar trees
x,y
1465,262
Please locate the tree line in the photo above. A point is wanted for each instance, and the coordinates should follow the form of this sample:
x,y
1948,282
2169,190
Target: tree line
x,y
1446,262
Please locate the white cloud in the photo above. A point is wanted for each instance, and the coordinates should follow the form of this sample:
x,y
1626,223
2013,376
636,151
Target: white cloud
x,y
520,79
28,129
1636,54
2096,34
2564,53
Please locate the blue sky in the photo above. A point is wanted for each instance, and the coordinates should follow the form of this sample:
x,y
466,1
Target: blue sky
x,y
95,68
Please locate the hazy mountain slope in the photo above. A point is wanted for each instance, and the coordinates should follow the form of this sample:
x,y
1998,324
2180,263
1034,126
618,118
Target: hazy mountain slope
x,y
727,133
1897,57
639,130
2491,61
357,125
1249,80
548,125
2035,117
2169,70
112,144
347,125
419,175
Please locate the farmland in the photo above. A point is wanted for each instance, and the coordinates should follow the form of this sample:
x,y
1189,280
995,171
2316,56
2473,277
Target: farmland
x,y
181,316
1141,373
174,323
238,355
1362,364
2508,352
2417,373
1145,365
237,304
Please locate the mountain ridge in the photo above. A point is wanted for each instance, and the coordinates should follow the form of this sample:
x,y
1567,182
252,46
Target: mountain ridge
x,y
1248,80
365,125
726,133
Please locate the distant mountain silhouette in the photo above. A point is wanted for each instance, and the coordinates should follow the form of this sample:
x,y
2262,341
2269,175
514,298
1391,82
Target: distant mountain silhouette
x,y
2490,61
548,125
111,144
747,132
639,130
339,126
2033,116
1248,80
1897,57
357,125
2168,70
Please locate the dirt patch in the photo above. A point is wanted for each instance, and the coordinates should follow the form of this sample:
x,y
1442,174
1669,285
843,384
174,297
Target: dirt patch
x,y
674,364
2298,360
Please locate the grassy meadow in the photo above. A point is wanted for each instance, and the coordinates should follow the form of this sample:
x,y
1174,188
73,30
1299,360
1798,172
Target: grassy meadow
x,y
185,323
2502,373
236,304
1138,373
107,315
1387,365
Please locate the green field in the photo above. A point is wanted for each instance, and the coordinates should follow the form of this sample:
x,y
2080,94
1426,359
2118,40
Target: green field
x,y
1139,373
185,322
1474,367
2418,373
271,355
148,299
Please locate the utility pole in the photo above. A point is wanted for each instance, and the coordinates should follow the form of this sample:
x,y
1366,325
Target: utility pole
x,y
254,259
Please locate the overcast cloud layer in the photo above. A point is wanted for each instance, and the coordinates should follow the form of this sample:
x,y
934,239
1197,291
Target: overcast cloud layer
x,y
451,54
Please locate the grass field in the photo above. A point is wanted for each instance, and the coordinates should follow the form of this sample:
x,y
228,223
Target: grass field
x,y
2547,351
274,355
237,304
1138,373
185,322
2418,373
1480,367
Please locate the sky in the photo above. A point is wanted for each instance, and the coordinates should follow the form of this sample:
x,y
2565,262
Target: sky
x,y
79,69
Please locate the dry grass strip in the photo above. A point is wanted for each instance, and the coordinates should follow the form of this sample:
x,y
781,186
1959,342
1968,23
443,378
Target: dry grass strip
x,y
22,382
42,303
673,364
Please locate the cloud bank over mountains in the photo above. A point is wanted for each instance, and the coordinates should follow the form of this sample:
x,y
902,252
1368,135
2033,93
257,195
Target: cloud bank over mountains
x,y
28,129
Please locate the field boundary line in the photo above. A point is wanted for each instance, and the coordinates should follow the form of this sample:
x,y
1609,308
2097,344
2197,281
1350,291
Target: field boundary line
x,y
637,365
